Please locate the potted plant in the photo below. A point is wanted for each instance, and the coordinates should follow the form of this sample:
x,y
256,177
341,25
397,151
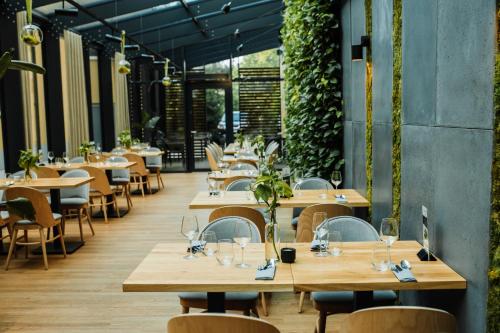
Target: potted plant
x,y
27,162
125,138
239,138
84,150
260,146
268,188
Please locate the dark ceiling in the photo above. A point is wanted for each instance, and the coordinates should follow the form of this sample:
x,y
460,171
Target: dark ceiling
x,y
196,31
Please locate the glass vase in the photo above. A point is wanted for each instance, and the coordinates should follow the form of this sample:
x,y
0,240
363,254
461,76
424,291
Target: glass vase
x,y
272,241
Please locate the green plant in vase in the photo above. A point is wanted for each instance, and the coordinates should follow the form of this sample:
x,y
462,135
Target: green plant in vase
x,y
84,150
239,138
268,188
125,139
27,162
260,146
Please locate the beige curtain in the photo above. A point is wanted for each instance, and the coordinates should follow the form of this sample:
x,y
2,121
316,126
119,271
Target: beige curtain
x,y
76,122
120,97
33,98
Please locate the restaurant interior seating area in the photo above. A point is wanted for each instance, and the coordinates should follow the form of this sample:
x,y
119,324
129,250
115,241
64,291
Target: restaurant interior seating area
x,y
254,166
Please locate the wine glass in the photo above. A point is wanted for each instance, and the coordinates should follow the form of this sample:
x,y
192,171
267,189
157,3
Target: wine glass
x,y
336,178
389,233
65,157
242,236
321,234
318,218
189,229
210,240
51,156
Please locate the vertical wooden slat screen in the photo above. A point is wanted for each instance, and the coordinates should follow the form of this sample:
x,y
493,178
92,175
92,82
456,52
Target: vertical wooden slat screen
x,y
260,101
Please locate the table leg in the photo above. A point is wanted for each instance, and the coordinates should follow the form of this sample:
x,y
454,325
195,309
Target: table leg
x,y
55,246
363,300
215,302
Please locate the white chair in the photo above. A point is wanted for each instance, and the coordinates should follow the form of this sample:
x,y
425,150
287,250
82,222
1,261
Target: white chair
x,y
77,159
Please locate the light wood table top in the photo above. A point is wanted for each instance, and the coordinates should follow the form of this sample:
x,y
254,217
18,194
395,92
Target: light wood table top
x,y
149,153
352,270
99,165
48,183
230,149
232,159
165,270
302,198
217,175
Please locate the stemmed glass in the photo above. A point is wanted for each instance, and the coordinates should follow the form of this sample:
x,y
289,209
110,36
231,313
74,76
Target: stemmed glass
x,y
336,178
321,234
389,233
65,157
40,156
242,236
51,156
190,229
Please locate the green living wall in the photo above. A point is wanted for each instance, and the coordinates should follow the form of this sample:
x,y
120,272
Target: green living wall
x,y
311,40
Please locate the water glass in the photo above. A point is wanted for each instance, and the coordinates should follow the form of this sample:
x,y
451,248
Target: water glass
x,y
59,162
324,195
379,258
322,236
335,243
210,239
225,252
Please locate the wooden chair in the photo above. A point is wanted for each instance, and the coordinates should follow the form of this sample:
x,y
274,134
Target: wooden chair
x,y
44,172
212,162
139,175
230,180
305,227
100,189
44,219
399,319
218,323
121,179
154,164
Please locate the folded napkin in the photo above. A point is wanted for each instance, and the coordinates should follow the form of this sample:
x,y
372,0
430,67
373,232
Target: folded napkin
x,y
266,274
340,198
315,245
197,246
403,274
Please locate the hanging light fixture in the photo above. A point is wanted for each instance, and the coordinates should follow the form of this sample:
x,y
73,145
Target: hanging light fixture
x,y
123,65
31,34
166,81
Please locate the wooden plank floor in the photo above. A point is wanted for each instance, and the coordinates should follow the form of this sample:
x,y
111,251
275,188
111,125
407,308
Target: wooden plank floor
x,y
83,293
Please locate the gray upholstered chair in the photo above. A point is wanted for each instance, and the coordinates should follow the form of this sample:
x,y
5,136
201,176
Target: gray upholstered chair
x,y
121,179
154,164
311,183
352,229
242,184
76,201
77,159
237,301
242,166
119,151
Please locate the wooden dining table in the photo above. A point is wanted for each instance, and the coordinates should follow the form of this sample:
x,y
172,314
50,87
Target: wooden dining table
x,y
235,159
165,270
54,185
221,176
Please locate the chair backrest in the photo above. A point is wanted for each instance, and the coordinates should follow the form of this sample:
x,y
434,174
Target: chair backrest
x,y
154,161
118,151
43,213
230,180
215,152
401,319
224,228
218,323
352,229
44,172
100,183
305,226
249,213
271,148
212,162
243,165
139,167
311,183
20,173
81,191
240,185
124,173
218,149
77,159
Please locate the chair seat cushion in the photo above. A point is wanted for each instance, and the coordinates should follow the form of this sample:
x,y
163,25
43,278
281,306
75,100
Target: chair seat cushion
x,y
119,180
379,296
56,216
153,166
73,201
4,214
233,296
295,221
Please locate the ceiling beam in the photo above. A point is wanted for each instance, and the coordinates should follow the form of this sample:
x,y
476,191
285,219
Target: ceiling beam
x,y
193,18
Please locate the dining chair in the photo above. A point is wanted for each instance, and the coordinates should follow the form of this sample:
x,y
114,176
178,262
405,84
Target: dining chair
x,y
77,159
100,189
311,183
400,319
243,165
154,164
215,151
224,228
139,175
228,181
76,199
4,223
212,160
119,151
43,219
241,184
220,151
218,323
44,172
352,229
121,179
305,227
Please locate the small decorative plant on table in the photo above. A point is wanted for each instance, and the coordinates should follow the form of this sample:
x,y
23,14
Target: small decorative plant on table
x,y
239,138
268,188
84,150
260,146
125,139
27,162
